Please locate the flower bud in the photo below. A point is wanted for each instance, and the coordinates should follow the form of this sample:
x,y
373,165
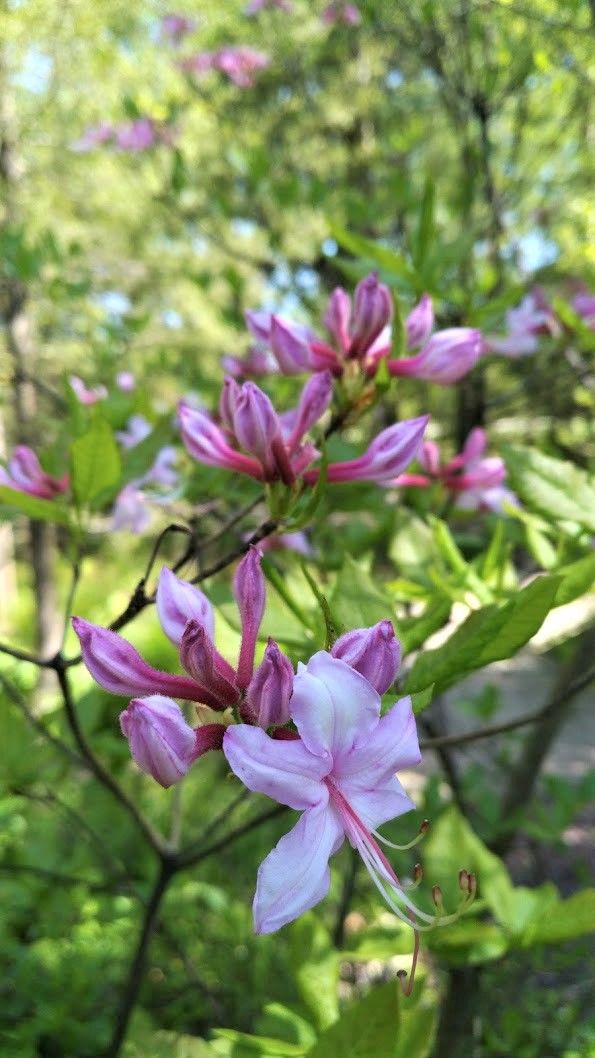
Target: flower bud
x,y
269,690
373,652
178,602
207,444
25,474
371,314
290,342
447,357
337,318
227,403
204,663
161,742
386,457
117,667
131,510
314,400
256,425
420,322
250,593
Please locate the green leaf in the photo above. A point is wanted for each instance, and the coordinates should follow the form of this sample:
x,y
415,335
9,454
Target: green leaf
x,y
425,226
418,1028
469,942
414,631
489,634
367,1029
95,463
316,968
568,918
422,699
387,259
577,579
554,487
260,1044
34,507
357,600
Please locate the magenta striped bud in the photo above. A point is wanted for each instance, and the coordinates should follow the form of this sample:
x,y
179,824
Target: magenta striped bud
x,y
372,312
204,663
447,357
338,317
207,443
420,322
119,668
256,426
269,690
386,457
373,652
250,593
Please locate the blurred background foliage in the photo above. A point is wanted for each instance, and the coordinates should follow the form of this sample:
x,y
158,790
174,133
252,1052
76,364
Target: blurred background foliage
x,y
446,144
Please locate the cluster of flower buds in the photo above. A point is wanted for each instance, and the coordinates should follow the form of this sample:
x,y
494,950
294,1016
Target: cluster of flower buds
x,y
341,14
475,481
255,440
360,332
25,474
239,64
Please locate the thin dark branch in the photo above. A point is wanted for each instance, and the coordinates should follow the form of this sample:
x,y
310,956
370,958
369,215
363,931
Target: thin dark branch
x,y
94,764
24,655
573,688
222,817
116,886
347,894
16,697
190,857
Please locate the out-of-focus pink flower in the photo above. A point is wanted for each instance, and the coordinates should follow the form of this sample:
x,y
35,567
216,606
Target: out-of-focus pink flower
x,y
137,429
256,363
84,394
95,136
337,13
524,324
387,455
584,305
176,27
374,652
277,451
340,773
239,64
126,381
475,482
297,542
255,6
137,135
25,474
131,511
446,358
420,322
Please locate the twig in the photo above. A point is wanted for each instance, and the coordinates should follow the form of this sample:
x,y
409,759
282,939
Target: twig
x,y
94,764
36,723
347,894
63,879
24,655
190,857
215,823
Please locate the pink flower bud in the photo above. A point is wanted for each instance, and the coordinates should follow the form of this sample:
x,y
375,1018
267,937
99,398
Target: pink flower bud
x,y
337,318
250,593
206,443
161,742
315,399
290,343
429,457
372,312
137,135
386,457
179,602
125,381
131,511
269,690
228,401
200,658
117,667
259,324
447,357
25,474
176,27
256,426
85,395
374,652
420,322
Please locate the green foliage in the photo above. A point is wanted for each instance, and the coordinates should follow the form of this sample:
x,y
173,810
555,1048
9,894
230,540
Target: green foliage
x,y
34,507
553,487
94,463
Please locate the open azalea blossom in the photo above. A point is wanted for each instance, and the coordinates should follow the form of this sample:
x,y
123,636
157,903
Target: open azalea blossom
x,y
255,440
475,481
340,773
25,474
239,64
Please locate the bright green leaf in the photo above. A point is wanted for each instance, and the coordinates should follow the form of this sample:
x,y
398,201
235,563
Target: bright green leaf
x,y
367,1029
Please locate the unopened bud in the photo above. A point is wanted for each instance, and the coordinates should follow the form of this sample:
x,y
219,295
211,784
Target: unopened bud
x,y
437,896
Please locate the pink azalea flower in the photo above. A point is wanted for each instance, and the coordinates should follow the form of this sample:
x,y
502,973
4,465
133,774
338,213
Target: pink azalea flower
x,y
125,381
176,27
84,394
131,511
25,474
95,136
340,773
347,14
137,135
240,64
584,305
524,325
475,482
447,356
255,6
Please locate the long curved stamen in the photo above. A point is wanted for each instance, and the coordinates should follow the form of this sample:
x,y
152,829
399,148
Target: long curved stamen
x,y
410,844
